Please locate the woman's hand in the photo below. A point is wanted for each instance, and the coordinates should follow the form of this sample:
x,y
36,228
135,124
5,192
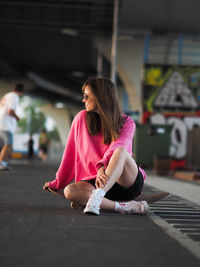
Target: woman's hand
x,y
102,178
46,185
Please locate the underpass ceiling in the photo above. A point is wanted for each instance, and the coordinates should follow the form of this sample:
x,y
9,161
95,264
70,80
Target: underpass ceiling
x,y
54,39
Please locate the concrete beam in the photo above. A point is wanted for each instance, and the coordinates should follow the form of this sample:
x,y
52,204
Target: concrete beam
x,y
53,87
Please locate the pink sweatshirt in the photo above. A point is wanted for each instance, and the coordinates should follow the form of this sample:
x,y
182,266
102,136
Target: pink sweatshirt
x,y
84,154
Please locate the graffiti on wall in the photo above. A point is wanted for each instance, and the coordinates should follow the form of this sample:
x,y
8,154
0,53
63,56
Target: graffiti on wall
x,y
181,125
175,94
172,96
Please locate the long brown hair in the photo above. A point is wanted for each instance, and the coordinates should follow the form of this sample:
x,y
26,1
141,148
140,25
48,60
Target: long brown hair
x,y
108,119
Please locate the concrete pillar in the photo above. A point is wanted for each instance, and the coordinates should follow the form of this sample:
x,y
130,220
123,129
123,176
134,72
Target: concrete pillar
x,y
62,118
129,66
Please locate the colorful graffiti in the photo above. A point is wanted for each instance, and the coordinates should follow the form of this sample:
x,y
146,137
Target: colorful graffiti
x,y
172,96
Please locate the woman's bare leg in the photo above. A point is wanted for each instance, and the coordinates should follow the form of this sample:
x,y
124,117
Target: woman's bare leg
x,y
80,192
121,168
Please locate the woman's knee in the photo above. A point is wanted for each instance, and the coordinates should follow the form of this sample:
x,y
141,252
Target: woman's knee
x,y
123,156
75,191
120,152
70,191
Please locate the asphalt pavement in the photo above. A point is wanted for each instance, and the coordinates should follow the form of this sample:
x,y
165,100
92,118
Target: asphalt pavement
x,y
38,228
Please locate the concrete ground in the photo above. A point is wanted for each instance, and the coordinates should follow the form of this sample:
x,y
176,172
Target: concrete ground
x,y
38,228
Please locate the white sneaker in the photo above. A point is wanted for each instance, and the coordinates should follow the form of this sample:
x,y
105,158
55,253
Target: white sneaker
x,y
4,165
135,207
94,202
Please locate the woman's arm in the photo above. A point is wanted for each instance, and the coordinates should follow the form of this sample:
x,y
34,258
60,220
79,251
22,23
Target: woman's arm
x,y
66,170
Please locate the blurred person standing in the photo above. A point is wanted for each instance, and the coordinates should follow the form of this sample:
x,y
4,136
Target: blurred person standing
x,y
8,122
43,145
30,147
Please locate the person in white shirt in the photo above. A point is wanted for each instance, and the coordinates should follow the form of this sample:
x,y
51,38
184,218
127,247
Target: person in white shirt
x,y
8,122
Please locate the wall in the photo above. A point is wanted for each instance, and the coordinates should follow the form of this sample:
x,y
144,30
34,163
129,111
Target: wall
x,y
179,102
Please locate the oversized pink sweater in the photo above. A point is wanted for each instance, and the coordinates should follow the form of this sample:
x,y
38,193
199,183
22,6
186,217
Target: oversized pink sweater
x,y
84,154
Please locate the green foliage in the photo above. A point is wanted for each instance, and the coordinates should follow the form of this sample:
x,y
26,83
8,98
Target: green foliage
x,y
34,120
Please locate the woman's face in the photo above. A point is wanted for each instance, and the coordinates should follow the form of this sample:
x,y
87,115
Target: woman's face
x,y
89,100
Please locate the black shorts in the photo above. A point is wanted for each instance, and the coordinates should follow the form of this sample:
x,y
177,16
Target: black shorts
x,y
121,193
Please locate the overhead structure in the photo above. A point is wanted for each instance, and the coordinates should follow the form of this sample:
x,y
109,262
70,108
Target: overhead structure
x,y
114,41
54,39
